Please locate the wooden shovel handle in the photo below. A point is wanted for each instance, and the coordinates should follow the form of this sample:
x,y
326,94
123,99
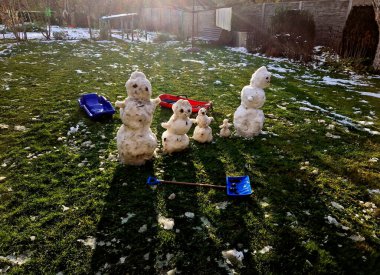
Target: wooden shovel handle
x,y
193,184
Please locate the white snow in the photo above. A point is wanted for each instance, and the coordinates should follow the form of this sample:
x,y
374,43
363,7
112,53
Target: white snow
x,y
90,242
265,249
194,61
189,215
166,223
342,82
337,205
129,216
233,256
357,238
16,260
143,228
370,94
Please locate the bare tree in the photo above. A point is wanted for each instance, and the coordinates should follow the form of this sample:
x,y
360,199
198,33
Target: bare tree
x,y
10,13
376,7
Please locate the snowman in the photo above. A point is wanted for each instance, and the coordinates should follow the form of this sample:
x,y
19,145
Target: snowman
x,y
136,142
248,117
225,128
202,132
175,138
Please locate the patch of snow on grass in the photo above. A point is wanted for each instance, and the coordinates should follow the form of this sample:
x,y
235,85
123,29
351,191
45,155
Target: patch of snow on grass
x,y
90,242
166,223
16,260
341,82
377,95
238,49
233,256
337,205
129,216
194,61
189,215
266,249
357,238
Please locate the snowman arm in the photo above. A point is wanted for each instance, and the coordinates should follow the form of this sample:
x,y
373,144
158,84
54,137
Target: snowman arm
x,y
193,120
165,125
156,101
120,104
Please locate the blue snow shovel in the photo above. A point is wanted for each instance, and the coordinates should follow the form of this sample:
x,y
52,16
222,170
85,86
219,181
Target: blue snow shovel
x,y
235,187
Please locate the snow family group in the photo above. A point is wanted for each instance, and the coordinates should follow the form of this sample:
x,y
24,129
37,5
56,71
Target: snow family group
x,y
136,143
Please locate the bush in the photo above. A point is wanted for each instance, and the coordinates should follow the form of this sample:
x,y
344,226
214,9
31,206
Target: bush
x,y
291,35
162,37
60,35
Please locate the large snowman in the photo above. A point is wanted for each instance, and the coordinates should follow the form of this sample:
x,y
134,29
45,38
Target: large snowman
x,y
136,142
248,117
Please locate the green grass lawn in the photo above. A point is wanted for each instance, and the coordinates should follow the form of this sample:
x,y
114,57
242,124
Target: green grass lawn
x,y
314,170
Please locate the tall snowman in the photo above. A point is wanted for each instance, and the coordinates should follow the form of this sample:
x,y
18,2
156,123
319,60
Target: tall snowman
x,y
136,142
248,117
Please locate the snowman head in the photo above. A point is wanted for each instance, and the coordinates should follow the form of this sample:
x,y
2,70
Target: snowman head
x,y
182,108
261,78
202,112
138,86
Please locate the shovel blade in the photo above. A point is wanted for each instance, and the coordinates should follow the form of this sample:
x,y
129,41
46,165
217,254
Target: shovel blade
x,y
238,186
152,181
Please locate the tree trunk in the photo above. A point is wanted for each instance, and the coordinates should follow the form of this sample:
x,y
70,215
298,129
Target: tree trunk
x,y
376,61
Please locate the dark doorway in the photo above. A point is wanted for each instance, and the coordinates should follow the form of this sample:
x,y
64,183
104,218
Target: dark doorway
x,y
360,34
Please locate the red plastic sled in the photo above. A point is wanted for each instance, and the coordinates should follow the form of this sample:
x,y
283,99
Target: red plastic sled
x,y
167,101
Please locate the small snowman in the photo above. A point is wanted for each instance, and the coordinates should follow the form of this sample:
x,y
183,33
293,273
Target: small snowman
x,y
135,140
225,128
175,138
202,132
248,117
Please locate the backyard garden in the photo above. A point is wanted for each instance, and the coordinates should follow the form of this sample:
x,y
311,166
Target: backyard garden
x,y
68,206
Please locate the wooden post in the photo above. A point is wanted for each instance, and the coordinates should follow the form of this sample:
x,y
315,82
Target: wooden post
x,y
132,27
122,27
192,30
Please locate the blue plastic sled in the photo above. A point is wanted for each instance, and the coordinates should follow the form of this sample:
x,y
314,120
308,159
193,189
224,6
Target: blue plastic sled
x,y
96,106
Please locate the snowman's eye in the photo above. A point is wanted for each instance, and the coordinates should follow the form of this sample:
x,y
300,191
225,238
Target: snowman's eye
x,y
267,78
189,110
134,86
146,89
181,110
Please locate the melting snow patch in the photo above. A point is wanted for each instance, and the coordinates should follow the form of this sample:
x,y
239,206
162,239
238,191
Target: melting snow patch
x,y
337,205
16,260
357,238
80,72
205,222
333,221
122,260
217,82
306,109
373,160
266,249
189,215
237,49
166,223
222,205
194,61
172,196
4,126
233,256
125,220
370,94
90,241
65,208
341,82
143,228
20,128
